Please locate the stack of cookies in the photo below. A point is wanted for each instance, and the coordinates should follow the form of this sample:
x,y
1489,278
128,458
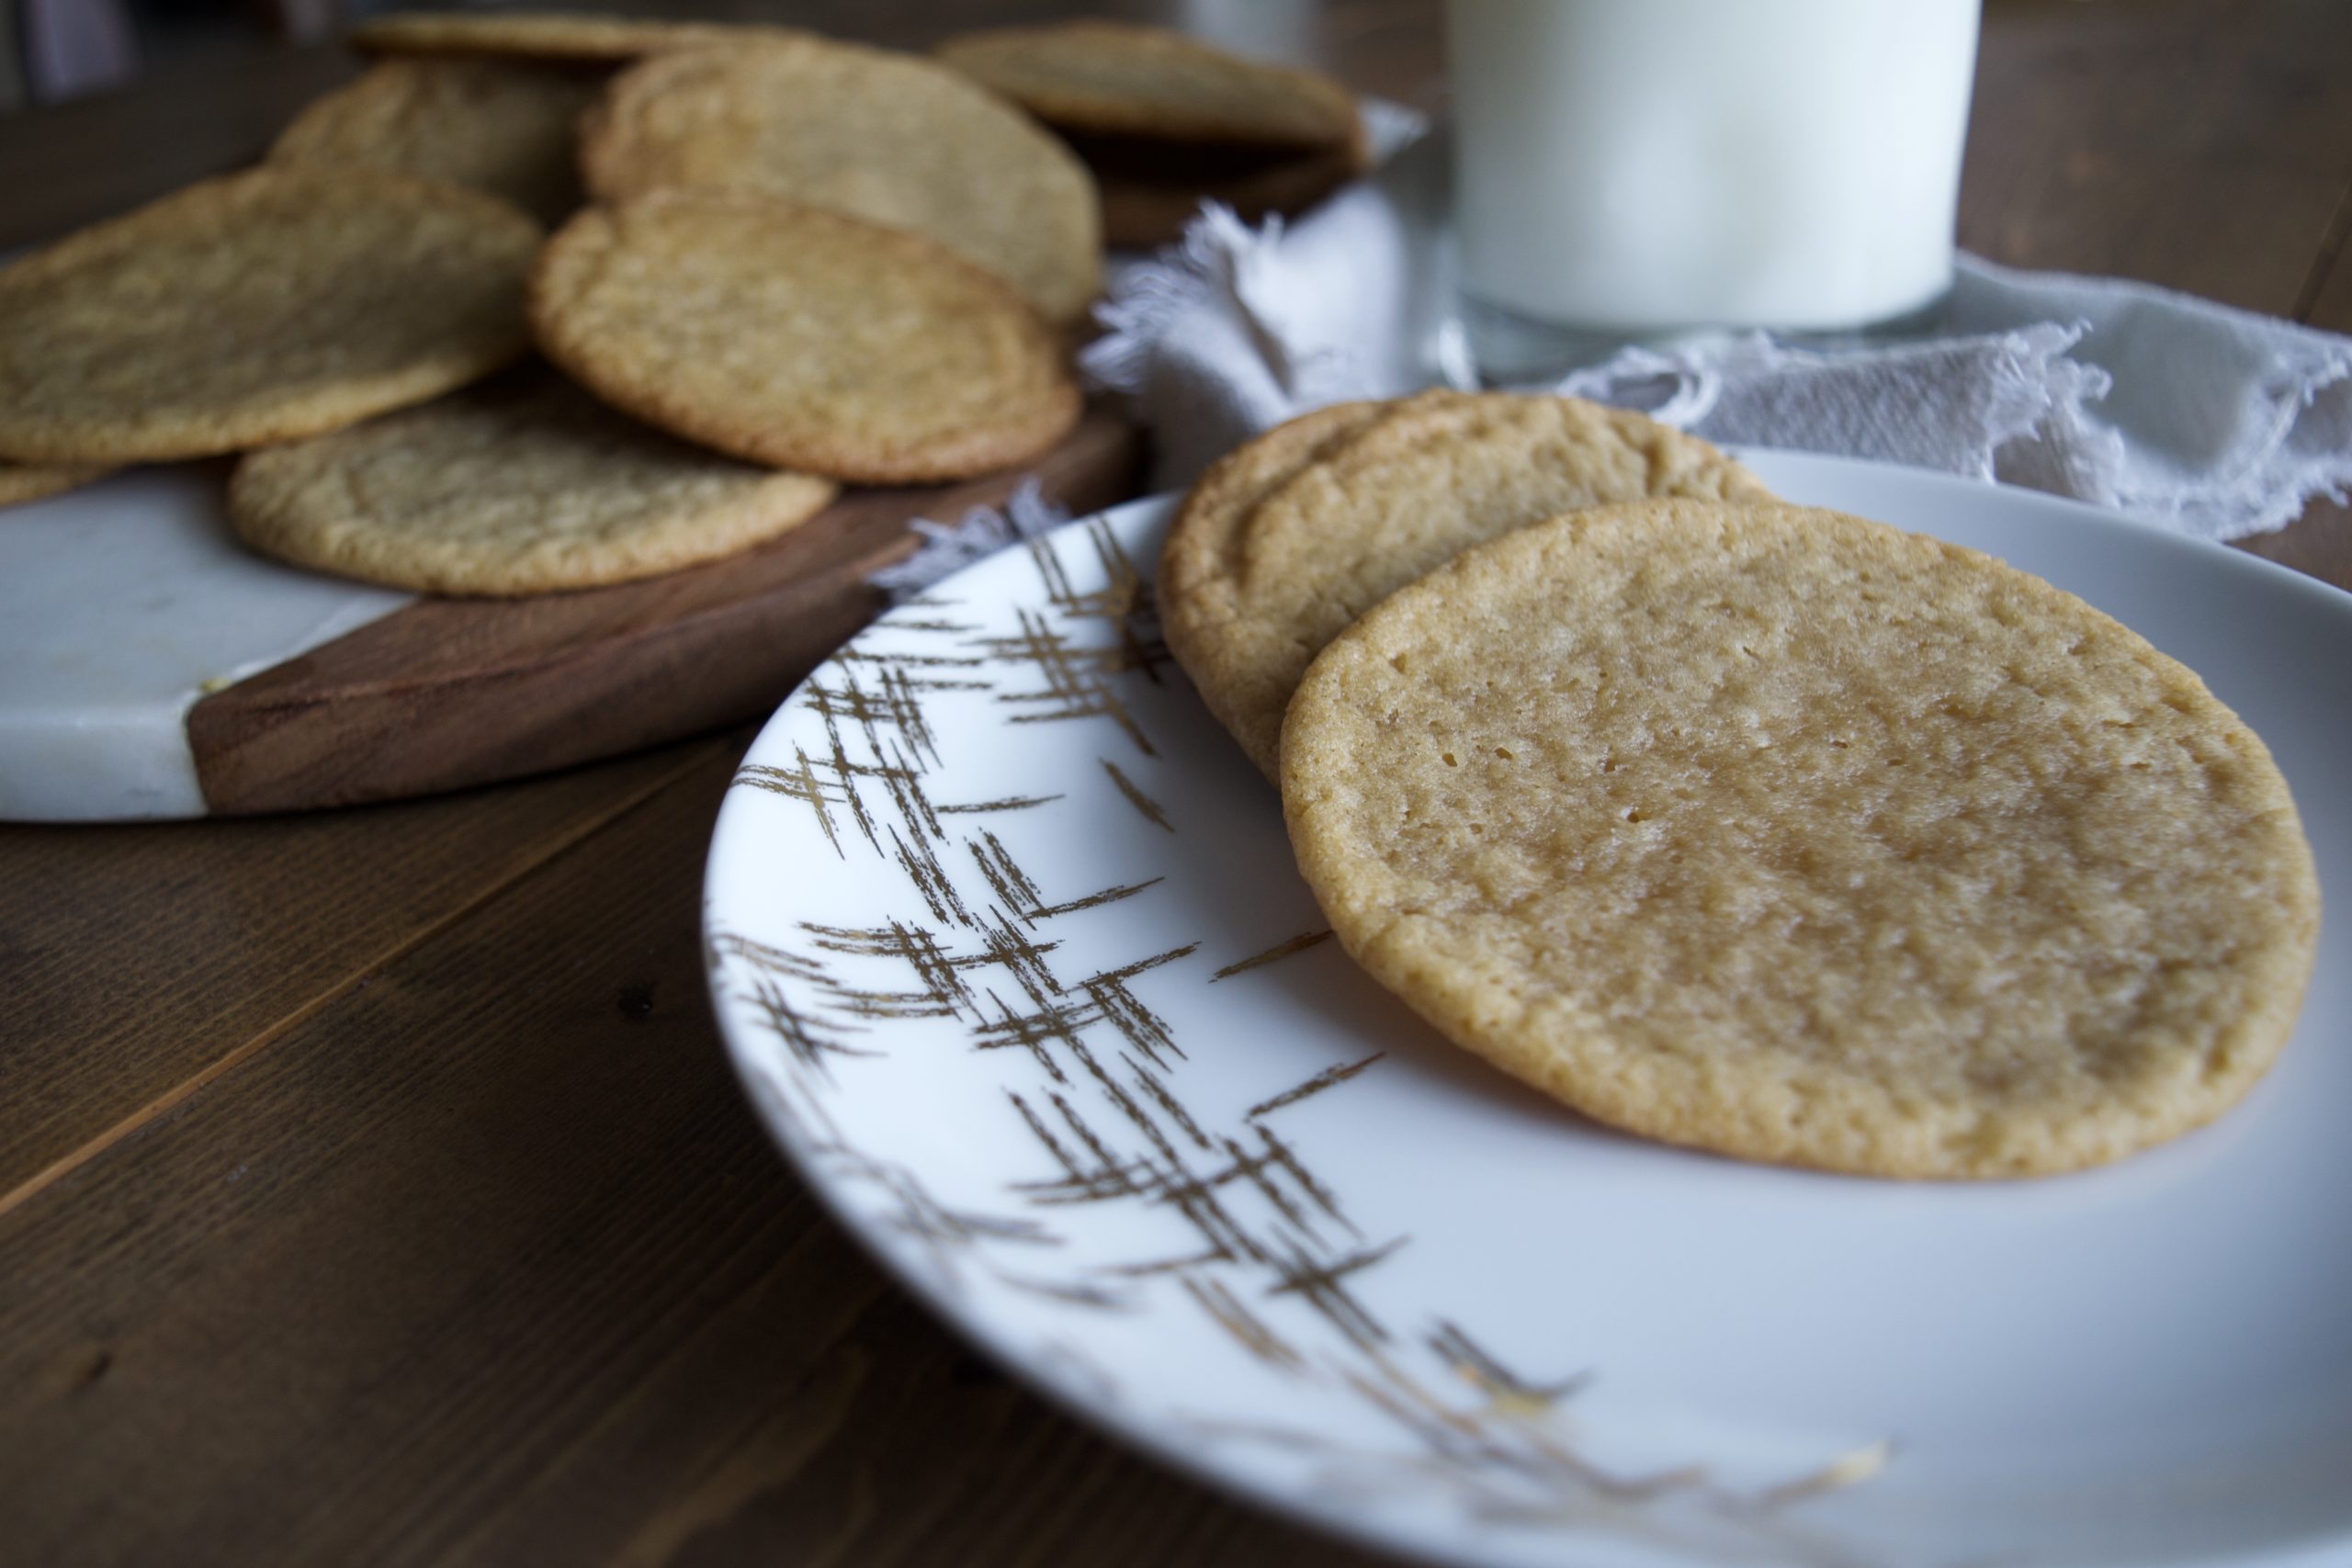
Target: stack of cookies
x,y
1748,827
801,264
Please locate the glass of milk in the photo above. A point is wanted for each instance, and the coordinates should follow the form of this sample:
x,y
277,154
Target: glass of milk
x,y
1644,171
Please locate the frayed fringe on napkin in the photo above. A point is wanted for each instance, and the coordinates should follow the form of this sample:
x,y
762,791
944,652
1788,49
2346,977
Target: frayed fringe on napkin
x,y
2001,405
2191,415
949,548
1148,299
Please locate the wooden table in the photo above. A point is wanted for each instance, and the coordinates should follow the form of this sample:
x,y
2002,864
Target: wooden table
x,y
372,1187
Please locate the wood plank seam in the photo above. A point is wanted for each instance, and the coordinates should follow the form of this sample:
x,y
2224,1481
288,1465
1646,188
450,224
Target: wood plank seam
x,y
575,1411
179,1094
2331,250
723,1448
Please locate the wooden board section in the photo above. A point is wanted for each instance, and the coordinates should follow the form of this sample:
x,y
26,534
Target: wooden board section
x,y
140,960
487,1262
450,693
2195,146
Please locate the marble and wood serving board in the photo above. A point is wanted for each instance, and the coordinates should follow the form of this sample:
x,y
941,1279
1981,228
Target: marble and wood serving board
x,y
150,667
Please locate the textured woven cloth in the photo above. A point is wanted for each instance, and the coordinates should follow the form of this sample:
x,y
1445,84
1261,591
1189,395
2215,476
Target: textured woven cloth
x,y
2186,414
2202,418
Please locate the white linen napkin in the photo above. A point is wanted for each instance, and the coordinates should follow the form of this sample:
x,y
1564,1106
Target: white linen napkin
x,y
2188,414
949,548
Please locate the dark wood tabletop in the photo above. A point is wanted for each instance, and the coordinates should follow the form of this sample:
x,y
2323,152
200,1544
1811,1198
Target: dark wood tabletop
x,y
373,1187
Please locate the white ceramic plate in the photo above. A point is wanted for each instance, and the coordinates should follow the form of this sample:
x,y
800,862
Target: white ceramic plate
x,y
1006,941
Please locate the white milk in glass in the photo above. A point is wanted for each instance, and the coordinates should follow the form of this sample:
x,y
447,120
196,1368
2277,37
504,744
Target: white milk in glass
x,y
1633,169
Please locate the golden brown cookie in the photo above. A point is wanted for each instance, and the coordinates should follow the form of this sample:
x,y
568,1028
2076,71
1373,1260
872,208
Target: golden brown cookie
x,y
1208,525
535,35
1100,76
263,306
525,484
502,126
801,338
1219,502
889,138
1792,836
1249,594
19,483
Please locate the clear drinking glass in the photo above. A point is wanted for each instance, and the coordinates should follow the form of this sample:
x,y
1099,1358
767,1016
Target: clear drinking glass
x,y
1642,171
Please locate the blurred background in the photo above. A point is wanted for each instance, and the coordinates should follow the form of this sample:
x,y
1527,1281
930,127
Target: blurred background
x,y
131,98
53,51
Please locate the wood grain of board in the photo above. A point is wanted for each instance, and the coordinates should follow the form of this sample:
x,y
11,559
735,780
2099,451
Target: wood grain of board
x,y
487,1261
2199,146
450,693
136,960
